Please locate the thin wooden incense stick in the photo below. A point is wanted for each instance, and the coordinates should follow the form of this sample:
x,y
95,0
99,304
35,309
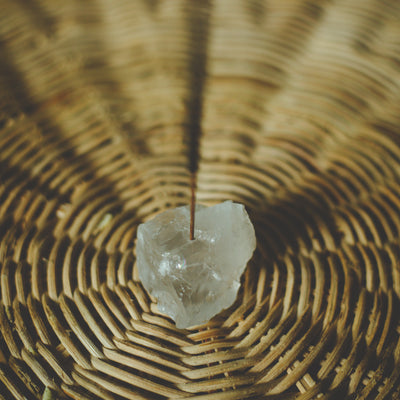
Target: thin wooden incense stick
x,y
198,28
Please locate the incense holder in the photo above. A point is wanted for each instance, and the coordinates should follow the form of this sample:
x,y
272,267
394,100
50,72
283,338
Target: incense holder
x,y
193,280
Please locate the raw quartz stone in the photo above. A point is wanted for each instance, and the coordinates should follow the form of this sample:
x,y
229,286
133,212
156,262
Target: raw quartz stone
x,y
193,280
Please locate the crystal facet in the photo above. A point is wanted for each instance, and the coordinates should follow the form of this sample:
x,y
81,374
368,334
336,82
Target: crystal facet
x,y
193,280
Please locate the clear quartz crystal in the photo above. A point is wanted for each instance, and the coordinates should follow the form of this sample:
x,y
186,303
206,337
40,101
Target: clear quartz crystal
x,y
193,280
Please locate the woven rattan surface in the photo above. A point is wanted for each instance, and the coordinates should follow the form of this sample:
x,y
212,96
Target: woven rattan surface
x,y
297,106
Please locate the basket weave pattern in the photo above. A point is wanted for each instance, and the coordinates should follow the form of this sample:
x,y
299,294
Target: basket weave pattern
x,y
298,108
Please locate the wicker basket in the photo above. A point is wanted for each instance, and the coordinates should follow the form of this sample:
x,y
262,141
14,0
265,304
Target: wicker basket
x,y
296,107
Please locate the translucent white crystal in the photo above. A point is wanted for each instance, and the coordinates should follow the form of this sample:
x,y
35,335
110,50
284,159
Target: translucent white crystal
x,y
193,280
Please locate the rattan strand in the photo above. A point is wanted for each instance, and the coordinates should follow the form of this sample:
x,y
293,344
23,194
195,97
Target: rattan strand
x,y
299,121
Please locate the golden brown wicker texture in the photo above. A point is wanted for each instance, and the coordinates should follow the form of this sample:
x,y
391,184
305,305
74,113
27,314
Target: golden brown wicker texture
x,y
300,121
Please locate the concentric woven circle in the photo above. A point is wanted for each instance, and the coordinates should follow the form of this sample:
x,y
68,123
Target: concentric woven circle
x,y
297,105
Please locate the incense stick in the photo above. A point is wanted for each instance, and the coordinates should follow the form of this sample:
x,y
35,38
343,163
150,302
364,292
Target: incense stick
x,y
198,28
